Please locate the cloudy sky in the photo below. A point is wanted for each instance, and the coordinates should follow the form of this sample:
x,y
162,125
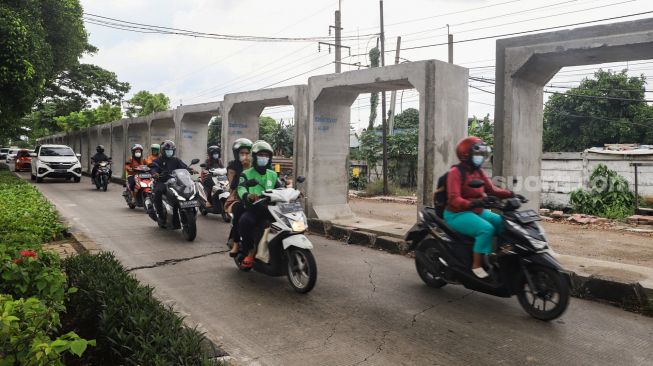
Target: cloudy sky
x,y
195,70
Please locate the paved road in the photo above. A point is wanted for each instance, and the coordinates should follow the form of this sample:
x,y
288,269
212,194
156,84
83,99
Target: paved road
x,y
368,308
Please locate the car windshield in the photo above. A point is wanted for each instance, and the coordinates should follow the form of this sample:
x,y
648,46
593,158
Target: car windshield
x,y
4,151
57,151
23,154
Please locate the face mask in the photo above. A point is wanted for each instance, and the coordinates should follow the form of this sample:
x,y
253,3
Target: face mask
x,y
138,155
478,160
262,161
169,153
216,156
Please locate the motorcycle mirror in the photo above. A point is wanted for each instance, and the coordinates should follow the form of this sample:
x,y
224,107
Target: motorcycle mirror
x,y
251,183
476,183
202,165
300,179
194,161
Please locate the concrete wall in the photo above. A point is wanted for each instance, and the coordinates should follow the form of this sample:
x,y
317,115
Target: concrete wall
x,y
162,127
117,148
193,127
137,133
525,64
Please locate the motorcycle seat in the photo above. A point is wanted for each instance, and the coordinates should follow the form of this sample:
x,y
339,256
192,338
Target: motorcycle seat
x,y
431,215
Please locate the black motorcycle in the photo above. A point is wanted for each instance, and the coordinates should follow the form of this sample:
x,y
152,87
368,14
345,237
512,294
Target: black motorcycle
x,y
180,202
522,264
102,175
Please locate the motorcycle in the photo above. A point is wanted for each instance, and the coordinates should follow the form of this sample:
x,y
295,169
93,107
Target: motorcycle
x,y
219,193
142,188
179,202
284,249
102,175
522,265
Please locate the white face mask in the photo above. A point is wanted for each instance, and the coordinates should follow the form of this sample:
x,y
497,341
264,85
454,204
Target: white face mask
x,y
169,153
478,160
216,156
138,155
262,160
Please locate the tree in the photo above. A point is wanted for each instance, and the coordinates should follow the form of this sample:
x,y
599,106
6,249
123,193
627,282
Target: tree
x,y
374,97
89,117
484,129
38,40
609,108
144,103
215,131
279,135
407,119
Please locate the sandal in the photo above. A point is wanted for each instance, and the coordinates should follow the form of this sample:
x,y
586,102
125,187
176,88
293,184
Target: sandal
x,y
248,262
234,250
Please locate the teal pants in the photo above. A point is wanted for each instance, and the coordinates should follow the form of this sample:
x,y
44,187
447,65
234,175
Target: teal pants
x,y
483,227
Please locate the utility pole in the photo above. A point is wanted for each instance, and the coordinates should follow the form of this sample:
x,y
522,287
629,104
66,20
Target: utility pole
x,y
383,111
338,42
393,96
450,41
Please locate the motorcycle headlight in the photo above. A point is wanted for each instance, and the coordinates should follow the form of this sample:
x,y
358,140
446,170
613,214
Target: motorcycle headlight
x,y
537,244
298,226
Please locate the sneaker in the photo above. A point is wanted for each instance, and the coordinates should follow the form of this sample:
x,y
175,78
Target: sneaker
x,y
480,272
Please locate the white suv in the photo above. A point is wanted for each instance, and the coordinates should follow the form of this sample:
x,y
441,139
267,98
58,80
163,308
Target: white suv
x,y
56,161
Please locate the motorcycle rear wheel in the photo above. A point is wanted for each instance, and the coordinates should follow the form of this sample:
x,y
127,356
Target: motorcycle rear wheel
x,y
551,287
302,269
434,280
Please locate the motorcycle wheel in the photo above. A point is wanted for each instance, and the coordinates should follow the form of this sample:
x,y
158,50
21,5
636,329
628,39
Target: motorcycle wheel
x,y
130,203
203,210
105,186
430,279
188,226
550,288
302,269
225,216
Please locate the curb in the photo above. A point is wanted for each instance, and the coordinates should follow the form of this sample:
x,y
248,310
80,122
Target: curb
x,y
627,295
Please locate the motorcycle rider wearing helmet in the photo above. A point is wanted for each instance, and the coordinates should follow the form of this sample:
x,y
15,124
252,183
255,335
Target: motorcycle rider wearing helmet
x,y
252,222
96,159
134,161
212,162
242,160
464,212
161,168
154,149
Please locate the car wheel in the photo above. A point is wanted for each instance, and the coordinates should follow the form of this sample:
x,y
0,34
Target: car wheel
x,y
77,179
32,176
39,180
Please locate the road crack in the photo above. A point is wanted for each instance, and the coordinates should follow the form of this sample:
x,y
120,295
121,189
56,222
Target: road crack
x,y
379,349
172,262
370,276
412,324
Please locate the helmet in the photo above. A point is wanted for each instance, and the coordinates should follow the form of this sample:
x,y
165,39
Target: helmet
x,y
137,147
168,145
261,145
469,146
241,143
155,147
100,148
211,149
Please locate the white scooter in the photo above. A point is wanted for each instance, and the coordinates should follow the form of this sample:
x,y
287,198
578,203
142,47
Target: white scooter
x,y
219,193
283,248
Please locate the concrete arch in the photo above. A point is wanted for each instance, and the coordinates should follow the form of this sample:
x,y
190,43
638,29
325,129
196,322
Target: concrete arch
x,y
118,147
85,149
242,112
94,141
162,127
443,121
192,123
138,132
525,64
104,138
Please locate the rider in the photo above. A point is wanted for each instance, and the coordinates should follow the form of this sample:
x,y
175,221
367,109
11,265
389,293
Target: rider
x,y
165,164
154,148
252,222
242,160
96,159
464,212
134,161
212,162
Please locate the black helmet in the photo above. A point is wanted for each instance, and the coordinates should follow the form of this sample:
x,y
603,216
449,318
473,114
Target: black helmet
x,y
212,149
168,145
99,148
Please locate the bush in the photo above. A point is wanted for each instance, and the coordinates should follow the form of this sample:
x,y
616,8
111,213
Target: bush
x,y
131,326
26,217
25,326
375,188
609,195
359,183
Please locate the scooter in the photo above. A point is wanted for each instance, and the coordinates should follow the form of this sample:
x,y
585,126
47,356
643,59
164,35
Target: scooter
x,y
180,202
142,188
283,248
219,193
522,265
102,175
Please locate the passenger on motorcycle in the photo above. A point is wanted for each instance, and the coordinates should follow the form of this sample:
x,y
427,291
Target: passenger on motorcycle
x,y
242,160
154,148
252,222
464,212
134,161
97,159
161,167
212,162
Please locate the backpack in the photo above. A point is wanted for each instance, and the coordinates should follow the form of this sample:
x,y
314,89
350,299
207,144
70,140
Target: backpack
x,y
440,195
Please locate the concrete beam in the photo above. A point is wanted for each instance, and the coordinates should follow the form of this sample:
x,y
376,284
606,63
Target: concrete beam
x,y
192,129
443,121
525,64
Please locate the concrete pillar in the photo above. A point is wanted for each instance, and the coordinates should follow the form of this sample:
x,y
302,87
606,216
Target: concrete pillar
x,y
192,124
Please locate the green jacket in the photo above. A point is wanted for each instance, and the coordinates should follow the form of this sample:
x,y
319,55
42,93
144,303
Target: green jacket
x,y
266,181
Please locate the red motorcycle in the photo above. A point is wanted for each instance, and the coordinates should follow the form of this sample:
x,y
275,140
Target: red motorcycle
x,y
143,188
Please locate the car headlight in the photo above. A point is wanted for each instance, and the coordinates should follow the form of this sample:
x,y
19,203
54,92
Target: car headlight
x,y
298,226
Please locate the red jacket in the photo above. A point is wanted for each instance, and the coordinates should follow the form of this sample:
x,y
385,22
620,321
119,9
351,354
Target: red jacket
x,y
460,194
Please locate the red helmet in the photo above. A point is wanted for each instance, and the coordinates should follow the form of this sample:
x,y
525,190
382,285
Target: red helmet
x,y
469,145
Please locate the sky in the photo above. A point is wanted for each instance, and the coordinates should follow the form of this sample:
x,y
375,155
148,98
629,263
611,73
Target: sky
x,y
194,70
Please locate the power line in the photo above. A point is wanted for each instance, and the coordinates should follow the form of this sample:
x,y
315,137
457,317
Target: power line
x,y
292,77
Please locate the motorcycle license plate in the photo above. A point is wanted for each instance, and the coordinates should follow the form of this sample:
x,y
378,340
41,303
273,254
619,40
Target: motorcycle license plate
x,y
287,208
189,204
527,216
145,176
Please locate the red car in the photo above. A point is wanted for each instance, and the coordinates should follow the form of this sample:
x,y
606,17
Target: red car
x,y
23,160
